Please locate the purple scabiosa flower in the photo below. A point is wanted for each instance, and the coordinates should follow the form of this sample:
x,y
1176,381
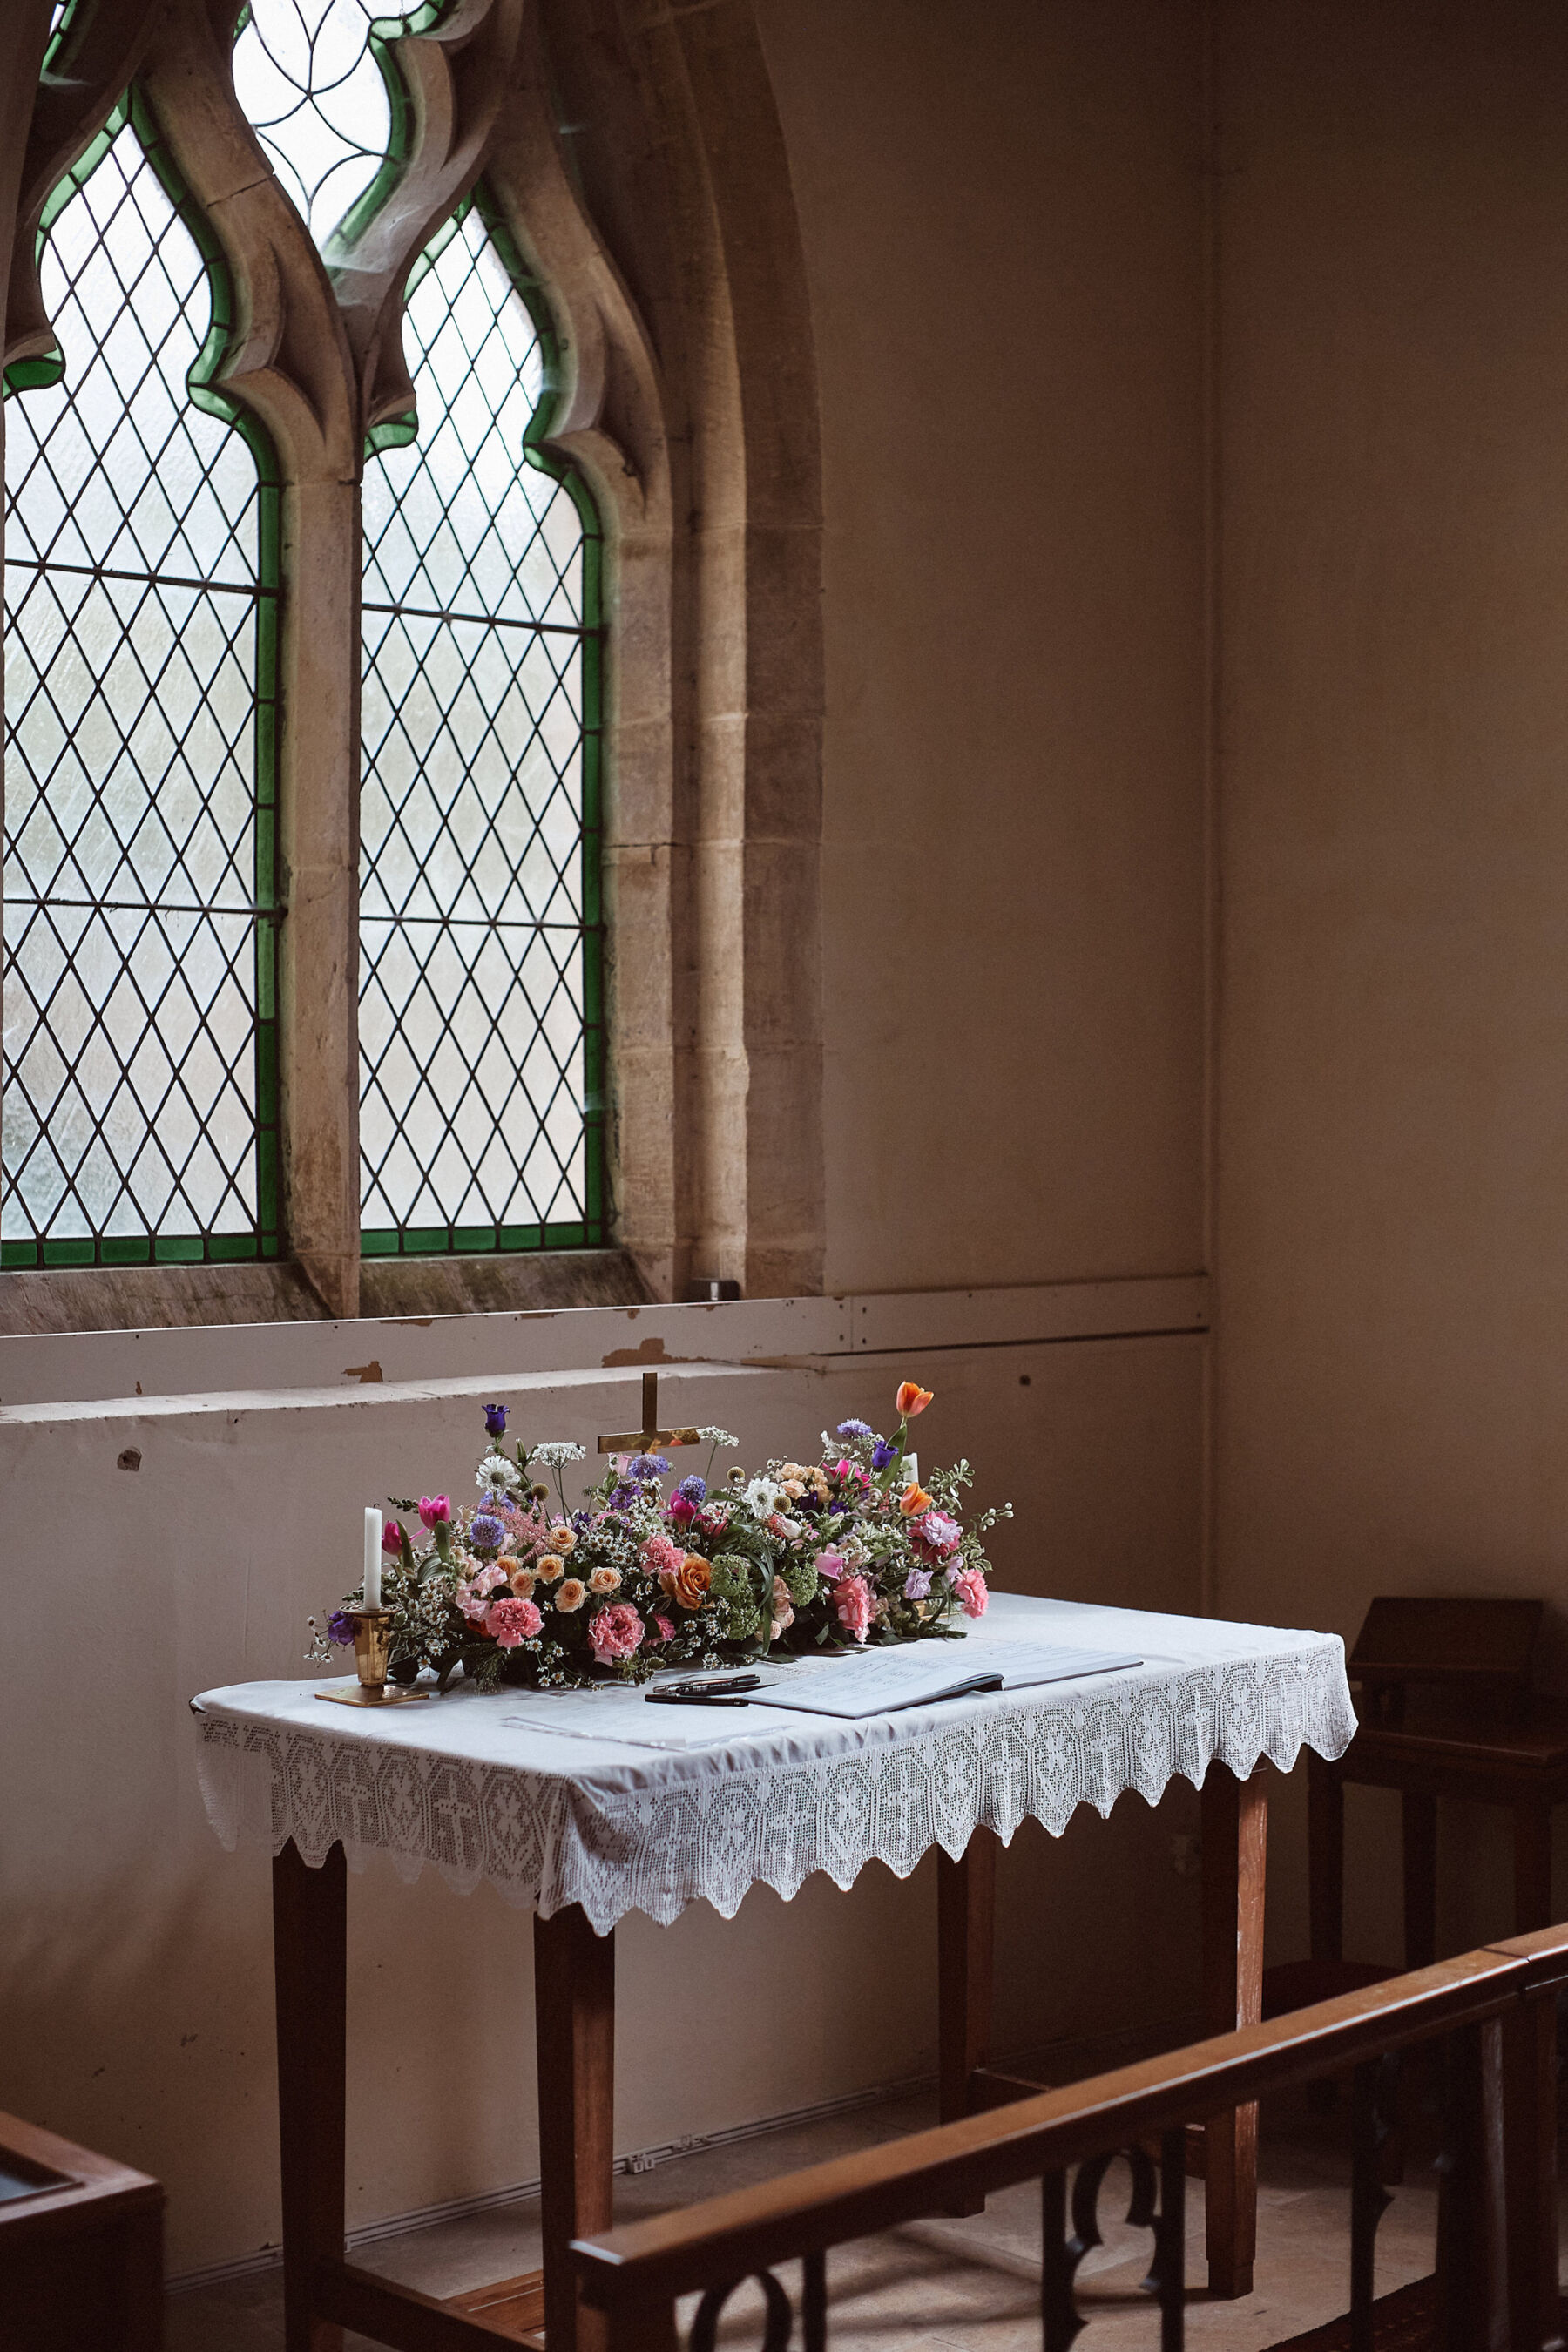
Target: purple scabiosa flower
x,y
495,1420
883,1455
917,1584
855,1428
486,1532
340,1627
623,1496
648,1465
693,1489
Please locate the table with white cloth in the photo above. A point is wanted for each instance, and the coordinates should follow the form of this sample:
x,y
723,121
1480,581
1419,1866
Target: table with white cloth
x,y
581,1825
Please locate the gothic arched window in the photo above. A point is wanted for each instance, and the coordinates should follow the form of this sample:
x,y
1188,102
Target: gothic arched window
x,y
140,1107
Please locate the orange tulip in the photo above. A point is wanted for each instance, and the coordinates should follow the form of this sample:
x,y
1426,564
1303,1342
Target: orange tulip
x,y
911,1399
913,1501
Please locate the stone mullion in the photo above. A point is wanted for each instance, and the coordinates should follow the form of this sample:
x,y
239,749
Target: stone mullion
x,y
318,778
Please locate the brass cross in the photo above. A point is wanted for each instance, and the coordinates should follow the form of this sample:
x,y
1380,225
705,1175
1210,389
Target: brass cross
x,y
644,1440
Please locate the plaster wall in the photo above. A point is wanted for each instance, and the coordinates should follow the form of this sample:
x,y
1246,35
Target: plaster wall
x,y
1001,214
135,1972
1392,1268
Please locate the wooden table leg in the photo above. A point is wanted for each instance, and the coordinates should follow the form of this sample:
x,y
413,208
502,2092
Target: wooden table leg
x,y
1419,1839
1529,2105
1235,1831
574,2025
1326,1858
310,1952
965,1930
1472,2285
1531,1866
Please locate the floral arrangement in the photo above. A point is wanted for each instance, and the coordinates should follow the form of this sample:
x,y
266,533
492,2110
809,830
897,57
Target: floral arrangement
x,y
524,1587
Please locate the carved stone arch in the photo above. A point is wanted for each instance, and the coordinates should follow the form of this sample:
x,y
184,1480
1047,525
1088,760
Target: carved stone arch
x,y
699,385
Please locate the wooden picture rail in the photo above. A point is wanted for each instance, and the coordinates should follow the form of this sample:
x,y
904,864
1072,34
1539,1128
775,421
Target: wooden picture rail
x,y
1493,2011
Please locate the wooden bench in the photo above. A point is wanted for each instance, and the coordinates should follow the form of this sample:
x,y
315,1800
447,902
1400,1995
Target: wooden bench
x,y
81,2248
1447,1709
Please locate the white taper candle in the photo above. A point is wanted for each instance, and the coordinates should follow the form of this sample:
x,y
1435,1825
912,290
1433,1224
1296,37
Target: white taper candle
x,y
372,1557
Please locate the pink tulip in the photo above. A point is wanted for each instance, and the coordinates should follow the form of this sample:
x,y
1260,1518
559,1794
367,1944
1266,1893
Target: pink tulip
x,y
435,1508
392,1536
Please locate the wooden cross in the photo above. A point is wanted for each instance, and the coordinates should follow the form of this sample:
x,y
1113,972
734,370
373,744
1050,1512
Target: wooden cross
x,y
644,1440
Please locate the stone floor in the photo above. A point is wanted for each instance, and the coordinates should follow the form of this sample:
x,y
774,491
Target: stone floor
x,y
945,2286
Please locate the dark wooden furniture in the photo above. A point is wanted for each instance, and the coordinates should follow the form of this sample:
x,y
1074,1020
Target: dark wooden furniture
x,y
1491,2012
81,2248
1446,1710
575,2031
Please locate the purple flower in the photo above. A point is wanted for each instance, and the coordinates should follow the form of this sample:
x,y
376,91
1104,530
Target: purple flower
x,y
623,1496
649,1465
693,1489
340,1627
853,1429
495,1420
884,1454
485,1533
917,1584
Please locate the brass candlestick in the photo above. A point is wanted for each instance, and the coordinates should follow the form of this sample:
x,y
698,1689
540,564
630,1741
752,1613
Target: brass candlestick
x,y
372,1645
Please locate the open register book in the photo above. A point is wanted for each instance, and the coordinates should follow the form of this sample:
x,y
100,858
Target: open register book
x,y
882,1682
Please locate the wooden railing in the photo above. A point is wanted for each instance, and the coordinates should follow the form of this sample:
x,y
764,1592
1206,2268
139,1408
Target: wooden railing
x,y
1492,2012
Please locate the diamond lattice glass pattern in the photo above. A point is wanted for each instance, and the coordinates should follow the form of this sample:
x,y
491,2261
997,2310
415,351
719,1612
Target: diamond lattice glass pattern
x,y
477,943
313,94
131,591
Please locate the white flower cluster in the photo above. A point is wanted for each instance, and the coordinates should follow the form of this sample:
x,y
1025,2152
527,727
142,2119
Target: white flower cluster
x,y
556,1453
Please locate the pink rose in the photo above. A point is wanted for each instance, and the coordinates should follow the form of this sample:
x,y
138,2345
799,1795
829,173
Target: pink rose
x,y
783,1609
970,1587
852,1606
615,1632
511,1621
434,1508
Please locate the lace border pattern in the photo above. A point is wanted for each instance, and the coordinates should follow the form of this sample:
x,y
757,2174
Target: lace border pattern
x,y
545,1841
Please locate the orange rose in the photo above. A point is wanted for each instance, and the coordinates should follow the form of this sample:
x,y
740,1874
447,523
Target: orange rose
x,y
913,1501
571,1595
911,1400
691,1580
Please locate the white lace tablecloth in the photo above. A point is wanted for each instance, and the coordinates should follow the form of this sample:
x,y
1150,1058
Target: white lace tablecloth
x,y
465,1784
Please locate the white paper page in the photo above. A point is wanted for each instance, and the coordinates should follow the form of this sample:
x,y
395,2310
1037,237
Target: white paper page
x,y
881,1681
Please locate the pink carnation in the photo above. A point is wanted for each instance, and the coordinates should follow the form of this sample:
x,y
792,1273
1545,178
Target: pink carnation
x,y
852,1604
474,1591
660,1557
665,1632
511,1622
970,1589
615,1632
936,1537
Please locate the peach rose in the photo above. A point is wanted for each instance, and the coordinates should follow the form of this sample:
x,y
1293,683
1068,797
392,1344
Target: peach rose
x,y
550,1566
571,1595
521,1582
562,1539
911,1399
604,1579
691,1580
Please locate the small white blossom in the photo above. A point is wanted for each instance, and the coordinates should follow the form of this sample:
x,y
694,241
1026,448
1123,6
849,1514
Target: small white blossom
x,y
556,1453
718,1437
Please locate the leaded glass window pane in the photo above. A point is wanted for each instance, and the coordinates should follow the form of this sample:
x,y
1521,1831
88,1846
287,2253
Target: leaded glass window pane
x,y
136,881
478,915
312,92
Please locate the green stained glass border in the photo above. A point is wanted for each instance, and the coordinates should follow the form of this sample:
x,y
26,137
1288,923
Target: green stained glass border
x,y
267,1241
592,1231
